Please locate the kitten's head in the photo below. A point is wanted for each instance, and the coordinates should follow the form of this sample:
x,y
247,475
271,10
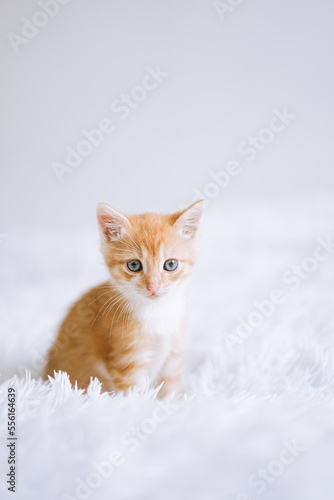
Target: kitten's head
x,y
149,255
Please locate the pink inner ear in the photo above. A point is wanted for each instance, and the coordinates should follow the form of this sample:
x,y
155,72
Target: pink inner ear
x,y
111,222
190,220
104,221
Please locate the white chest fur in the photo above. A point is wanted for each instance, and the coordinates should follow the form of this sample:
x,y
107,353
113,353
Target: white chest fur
x,y
162,320
161,316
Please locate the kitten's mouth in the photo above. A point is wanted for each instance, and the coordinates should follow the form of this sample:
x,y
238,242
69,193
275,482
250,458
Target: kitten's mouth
x,y
154,296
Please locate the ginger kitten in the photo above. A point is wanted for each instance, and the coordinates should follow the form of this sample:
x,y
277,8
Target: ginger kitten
x,y
131,329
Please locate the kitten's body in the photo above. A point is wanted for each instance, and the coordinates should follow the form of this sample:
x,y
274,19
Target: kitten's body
x,y
130,331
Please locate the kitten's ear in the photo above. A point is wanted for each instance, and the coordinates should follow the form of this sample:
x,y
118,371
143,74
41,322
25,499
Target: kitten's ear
x,y
112,223
188,220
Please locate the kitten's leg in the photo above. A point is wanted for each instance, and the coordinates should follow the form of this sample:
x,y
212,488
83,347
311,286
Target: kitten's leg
x,y
171,374
129,376
104,377
128,359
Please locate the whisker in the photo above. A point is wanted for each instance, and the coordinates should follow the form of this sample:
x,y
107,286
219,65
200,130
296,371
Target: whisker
x,y
108,291
101,308
117,299
91,326
112,321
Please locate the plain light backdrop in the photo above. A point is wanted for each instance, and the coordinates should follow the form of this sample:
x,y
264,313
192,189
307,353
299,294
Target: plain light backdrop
x,y
226,74
255,386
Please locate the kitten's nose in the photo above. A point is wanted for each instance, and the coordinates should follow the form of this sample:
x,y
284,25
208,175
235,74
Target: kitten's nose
x,y
153,288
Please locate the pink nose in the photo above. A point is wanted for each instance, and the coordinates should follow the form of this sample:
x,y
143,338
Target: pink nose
x,y
153,288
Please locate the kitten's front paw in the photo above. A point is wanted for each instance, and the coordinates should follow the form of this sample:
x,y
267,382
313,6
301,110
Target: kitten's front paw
x,y
134,379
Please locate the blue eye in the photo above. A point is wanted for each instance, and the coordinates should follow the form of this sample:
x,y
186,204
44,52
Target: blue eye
x,y
134,265
170,265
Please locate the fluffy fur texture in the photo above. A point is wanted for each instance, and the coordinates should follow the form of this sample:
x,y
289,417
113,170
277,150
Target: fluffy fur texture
x,y
129,331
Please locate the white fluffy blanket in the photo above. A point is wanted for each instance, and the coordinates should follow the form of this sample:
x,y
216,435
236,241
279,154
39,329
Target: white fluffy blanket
x,y
257,417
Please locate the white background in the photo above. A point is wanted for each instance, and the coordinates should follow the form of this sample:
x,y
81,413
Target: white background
x,y
225,78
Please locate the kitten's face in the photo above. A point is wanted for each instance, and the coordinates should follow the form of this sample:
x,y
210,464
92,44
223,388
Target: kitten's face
x,y
149,255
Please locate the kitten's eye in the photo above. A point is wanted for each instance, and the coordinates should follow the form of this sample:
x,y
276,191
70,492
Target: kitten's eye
x,y
134,265
170,265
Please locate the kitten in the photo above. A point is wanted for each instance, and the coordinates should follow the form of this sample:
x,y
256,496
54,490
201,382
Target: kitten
x,y
131,329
